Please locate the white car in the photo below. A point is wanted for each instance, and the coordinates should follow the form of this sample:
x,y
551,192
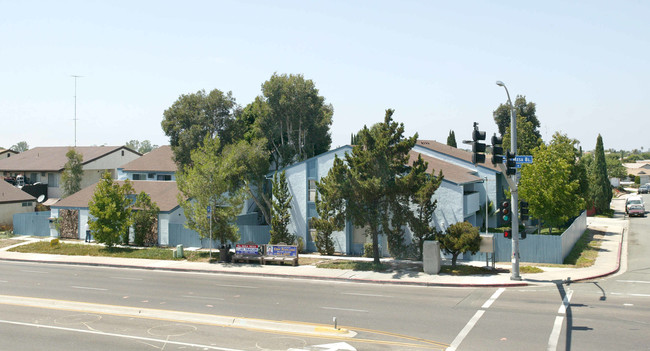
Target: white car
x,y
634,206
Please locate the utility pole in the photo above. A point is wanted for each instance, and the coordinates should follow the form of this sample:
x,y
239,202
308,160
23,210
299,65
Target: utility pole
x,y
75,108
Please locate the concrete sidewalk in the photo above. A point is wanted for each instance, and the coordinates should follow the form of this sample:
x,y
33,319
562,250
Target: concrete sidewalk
x,y
608,262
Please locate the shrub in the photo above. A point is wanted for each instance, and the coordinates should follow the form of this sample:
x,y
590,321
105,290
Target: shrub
x,y
54,242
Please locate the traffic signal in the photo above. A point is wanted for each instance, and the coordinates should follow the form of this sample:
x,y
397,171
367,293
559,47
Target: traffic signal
x,y
507,234
506,211
523,210
497,150
511,163
478,148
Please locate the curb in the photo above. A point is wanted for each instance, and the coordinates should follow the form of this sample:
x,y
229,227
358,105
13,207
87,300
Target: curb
x,y
618,262
275,275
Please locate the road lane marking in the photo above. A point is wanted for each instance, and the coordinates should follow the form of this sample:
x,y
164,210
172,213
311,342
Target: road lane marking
x,y
202,297
3,281
626,294
125,278
633,281
369,295
495,296
237,286
463,333
343,309
559,321
88,288
555,334
95,332
565,302
472,322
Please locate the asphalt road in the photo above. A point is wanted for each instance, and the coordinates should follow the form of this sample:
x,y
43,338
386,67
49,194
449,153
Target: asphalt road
x,y
62,307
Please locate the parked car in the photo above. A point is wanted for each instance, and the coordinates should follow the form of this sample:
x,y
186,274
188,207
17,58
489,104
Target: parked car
x,y
634,206
644,189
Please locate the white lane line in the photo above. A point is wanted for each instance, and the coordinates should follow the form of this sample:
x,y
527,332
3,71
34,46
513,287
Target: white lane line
x,y
343,309
88,288
3,281
41,272
463,333
636,295
203,297
565,302
237,286
125,278
555,334
633,281
163,341
495,296
369,295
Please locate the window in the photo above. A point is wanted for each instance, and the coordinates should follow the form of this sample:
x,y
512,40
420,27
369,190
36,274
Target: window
x,y
33,178
138,176
53,180
27,204
312,190
312,230
151,175
164,177
122,152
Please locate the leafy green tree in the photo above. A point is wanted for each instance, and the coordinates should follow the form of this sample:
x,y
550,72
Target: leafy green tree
x,y
211,180
292,117
451,139
20,146
549,188
281,205
194,116
527,110
422,186
145,219
110,210
330,206
72,173
615,167
141,147
374,189
460,237
600,188
527,137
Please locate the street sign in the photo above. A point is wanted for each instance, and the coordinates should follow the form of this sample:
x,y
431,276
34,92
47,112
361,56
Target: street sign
x,y
524,159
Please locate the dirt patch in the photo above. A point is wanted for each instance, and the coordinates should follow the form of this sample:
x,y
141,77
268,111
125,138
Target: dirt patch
x,y
9,242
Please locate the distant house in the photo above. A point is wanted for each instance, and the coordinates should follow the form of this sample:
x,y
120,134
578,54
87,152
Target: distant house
x,y
5,153
158,164
163,193
12,201
639,169
46,164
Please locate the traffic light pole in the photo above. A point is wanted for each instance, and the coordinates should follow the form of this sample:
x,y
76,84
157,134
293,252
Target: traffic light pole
x,y
514,194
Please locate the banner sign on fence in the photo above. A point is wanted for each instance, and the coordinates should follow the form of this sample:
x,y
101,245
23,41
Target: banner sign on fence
x,y
247,249
282,250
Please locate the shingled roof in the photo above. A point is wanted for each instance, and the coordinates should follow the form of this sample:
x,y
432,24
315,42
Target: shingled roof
x,y
163,193
9,193
451,172
53,159
454,152
157,160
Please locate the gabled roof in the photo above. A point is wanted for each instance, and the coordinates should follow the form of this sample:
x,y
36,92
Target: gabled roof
x,y
455,152
9,193
163,193
340,148
157,160
53,159
4,153
451,172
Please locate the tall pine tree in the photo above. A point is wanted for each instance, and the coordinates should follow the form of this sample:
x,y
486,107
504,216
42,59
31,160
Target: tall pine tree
x,y
600,188
451,139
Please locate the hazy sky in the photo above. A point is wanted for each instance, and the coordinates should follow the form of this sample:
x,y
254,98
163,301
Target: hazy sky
x,y
584,63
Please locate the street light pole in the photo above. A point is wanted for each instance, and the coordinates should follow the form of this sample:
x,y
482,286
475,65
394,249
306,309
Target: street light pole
x,y
513,190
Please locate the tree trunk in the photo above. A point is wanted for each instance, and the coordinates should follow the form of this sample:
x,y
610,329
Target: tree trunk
x,y
454,257
267,217
375,246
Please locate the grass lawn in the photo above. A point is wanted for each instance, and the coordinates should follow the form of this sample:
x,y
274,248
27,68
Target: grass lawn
x,y
585,251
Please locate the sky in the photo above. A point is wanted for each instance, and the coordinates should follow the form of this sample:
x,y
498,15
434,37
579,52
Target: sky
x,y
583,63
